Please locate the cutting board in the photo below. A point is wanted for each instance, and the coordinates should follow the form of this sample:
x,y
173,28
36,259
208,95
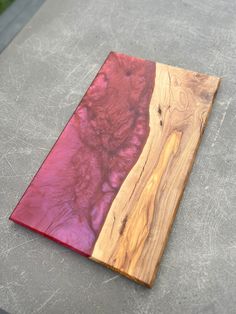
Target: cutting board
x,y
111,185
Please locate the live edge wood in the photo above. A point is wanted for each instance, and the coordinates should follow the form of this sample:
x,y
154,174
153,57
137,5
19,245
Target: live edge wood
x,y
138,223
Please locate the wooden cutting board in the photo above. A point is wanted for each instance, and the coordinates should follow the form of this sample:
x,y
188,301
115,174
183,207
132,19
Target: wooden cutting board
x,y
111,185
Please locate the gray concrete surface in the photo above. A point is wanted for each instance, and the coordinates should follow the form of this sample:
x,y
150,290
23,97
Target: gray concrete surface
x,y
43,74
15,18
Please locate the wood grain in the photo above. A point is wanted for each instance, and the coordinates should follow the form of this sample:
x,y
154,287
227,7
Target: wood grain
x,y
136,228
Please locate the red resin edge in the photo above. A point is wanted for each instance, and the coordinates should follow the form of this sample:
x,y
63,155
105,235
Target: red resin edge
x,y
94,92
49,237
36,230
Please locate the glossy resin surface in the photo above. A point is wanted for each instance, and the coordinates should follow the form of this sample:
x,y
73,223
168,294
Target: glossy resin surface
x,y
72,192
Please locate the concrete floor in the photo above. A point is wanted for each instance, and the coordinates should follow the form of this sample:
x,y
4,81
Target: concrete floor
x,y
15,18
43,74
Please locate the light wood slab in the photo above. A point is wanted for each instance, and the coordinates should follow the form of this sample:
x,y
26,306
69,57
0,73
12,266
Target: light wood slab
x,y
137,226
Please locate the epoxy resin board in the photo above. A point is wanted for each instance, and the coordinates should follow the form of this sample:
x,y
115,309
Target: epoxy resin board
x,y
110,187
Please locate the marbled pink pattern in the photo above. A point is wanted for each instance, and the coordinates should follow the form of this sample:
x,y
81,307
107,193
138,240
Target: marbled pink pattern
x,y
71,194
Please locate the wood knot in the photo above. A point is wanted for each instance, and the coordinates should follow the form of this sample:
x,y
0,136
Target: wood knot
x,y
124,221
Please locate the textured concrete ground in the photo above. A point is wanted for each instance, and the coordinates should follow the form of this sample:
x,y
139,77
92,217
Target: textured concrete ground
x,y
15,18
43,74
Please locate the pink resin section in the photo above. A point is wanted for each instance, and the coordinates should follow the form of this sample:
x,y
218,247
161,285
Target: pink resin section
x,y
70,196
